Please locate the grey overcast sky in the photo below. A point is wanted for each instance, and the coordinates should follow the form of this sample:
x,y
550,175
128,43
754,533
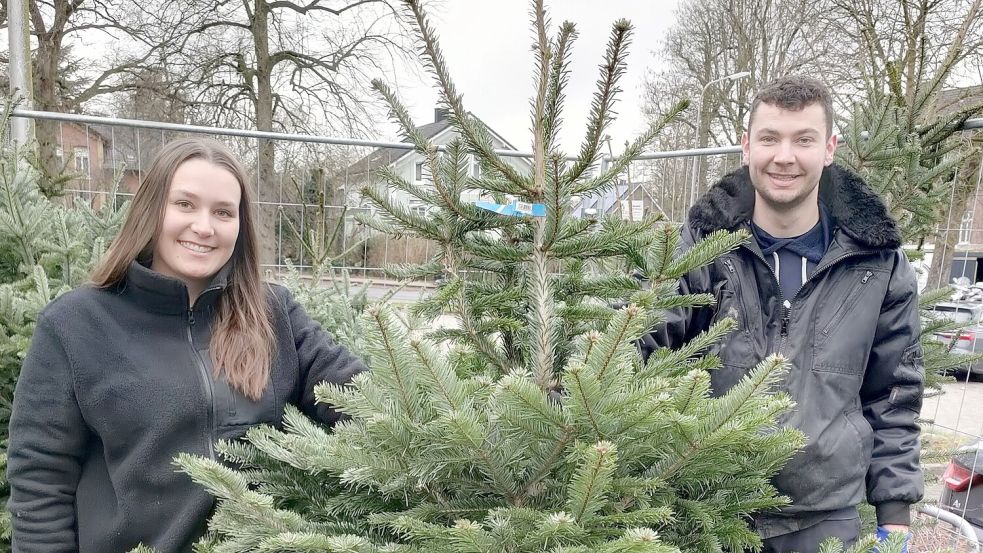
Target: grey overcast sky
x,y
487,46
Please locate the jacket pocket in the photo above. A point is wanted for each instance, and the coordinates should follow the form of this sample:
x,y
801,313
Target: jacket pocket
x,y
234,409
908,386
734,349
733,299
865,435
727,307
829,472
849,301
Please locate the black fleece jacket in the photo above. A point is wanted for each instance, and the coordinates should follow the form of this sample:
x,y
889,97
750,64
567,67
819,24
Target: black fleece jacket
x,y
116,383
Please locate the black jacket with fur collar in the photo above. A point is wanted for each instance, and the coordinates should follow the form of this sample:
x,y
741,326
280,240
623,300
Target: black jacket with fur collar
x,y
851,333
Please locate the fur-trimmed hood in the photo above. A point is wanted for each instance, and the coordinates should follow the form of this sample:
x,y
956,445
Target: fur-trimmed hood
x,y
852,205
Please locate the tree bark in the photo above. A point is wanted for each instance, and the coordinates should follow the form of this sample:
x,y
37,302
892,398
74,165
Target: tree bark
x,y
266,191
46,97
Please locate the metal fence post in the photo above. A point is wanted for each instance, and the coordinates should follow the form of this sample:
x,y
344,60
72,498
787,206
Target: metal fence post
x,y
21,87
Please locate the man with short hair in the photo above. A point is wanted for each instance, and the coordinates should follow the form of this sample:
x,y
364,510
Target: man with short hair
x,y
824,283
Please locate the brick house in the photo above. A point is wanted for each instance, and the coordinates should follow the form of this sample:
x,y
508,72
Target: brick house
x,y
92,159
967,220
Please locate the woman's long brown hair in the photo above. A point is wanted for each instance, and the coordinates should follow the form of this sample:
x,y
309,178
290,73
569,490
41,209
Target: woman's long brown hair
x,y
242,337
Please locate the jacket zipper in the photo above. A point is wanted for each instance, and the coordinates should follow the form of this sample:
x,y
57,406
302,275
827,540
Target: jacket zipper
x,y
207,385
849,299
787,304
740,297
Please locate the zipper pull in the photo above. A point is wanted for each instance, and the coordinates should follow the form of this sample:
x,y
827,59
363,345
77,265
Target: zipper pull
x,y
191,317
730,265
866,277
786,315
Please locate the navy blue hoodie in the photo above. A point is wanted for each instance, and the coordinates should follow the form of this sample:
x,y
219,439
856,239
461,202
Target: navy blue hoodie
x,y
794,259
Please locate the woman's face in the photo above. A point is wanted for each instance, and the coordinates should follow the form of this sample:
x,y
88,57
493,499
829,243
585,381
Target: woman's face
x,y
200,225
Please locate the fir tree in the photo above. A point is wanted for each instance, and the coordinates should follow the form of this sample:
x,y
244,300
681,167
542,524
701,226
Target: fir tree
x,y
911,156
907,154
46,249
326,293
533,425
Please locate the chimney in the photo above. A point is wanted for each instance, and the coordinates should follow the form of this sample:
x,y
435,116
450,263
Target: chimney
x,y
440,114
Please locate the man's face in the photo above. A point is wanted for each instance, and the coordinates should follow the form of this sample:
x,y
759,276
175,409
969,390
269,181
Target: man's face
x,y
785,152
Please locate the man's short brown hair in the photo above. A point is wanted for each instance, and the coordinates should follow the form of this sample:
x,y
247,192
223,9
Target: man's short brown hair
x,y
795,93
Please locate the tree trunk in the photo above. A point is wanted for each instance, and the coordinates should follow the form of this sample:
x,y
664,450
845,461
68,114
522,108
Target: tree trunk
x,y
266,190
964,197
46,99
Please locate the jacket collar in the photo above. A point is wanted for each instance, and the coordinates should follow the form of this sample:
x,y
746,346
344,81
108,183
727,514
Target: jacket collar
x,y
853,207
168,295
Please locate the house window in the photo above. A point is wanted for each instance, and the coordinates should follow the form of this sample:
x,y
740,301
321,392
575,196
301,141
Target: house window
x,y
82,160
966,228
418,208
475,168
419,171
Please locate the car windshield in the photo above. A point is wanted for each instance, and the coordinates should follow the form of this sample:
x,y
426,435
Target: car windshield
x,y
957,314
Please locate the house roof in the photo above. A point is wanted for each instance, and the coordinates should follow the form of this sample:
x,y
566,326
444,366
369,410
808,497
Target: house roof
x,y
127,147
382,157
950,100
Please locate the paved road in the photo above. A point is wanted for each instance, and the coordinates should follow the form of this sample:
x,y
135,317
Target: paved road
x,y
959,409
405,295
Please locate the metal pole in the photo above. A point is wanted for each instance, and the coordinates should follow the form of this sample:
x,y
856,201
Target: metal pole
x,y
699,134
699,115
18,36
965,528
221,131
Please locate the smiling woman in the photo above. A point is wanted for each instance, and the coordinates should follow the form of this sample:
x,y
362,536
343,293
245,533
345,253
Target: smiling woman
x,y
200,224
174,345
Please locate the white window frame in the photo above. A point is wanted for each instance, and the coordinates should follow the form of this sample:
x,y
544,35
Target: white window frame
x,y
965,228
474,167
82,161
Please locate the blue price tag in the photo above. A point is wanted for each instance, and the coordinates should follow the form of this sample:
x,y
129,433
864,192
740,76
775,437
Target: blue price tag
x,y
514,209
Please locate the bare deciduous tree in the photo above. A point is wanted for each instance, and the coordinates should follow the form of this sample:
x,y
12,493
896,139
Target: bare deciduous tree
x,y
711,39
278,65
911,54
117,39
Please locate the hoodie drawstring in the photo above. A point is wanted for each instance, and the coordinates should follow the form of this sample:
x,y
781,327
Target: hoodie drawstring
x,y
778,268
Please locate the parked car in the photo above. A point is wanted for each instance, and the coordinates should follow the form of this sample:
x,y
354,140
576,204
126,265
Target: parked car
x,y
962,485
970,339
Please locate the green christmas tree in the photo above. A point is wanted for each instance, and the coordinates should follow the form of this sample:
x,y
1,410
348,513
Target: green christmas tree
x,y
46,249
533,425
911,155
908,154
